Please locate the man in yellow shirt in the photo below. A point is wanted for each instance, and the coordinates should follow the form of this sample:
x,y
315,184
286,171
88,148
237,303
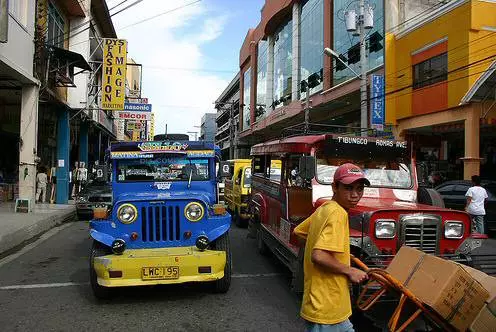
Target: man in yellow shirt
x,y
326,304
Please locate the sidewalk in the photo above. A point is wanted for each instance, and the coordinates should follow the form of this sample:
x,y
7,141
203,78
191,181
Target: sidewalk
x,y
16,228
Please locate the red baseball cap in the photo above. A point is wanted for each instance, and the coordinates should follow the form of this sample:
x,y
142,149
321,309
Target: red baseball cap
x,y
349,173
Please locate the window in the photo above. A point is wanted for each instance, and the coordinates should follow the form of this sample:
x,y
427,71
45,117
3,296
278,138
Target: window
x,y
349,46
283,64
246,99
431,71
55,25
312,44
262,58
19,10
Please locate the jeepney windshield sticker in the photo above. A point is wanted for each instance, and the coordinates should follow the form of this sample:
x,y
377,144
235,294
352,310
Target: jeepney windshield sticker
x,y
162,170
130,155
162,185
162,146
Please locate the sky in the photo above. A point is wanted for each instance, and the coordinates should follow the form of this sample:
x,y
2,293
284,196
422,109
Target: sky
x,y
189,55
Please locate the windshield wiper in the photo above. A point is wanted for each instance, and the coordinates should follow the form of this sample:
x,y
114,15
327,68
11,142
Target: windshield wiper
x,y
190,176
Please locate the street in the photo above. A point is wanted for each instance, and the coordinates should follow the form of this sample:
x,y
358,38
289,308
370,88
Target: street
x,y
47,289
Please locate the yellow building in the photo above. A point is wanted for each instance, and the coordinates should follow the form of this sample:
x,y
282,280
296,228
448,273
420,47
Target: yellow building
x,y
440,85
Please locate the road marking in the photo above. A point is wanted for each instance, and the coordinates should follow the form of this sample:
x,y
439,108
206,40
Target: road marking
x,y
53,285
36,243
71,284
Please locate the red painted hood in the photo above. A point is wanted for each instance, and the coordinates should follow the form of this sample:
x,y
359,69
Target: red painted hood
x,y
375,204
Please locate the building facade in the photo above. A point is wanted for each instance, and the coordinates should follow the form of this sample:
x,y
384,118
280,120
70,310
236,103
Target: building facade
x,y
440,85
208,127
19,89
283,69
227,119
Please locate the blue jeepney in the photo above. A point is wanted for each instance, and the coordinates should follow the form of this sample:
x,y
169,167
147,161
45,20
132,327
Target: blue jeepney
x,y
166,224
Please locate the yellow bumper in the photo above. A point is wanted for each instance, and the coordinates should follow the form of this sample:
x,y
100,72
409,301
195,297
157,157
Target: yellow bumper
x,y
132,262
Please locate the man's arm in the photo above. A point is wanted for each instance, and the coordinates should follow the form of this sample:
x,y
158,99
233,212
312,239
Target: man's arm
x,y
326,260
469,200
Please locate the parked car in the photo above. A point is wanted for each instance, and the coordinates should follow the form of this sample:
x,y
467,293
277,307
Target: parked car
x,y
453,194
96,193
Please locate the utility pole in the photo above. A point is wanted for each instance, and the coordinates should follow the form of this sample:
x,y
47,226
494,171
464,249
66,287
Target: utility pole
x,y
231,131
363,71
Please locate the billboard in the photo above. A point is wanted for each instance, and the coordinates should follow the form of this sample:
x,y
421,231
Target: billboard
x,y
377,102
137,107
114,74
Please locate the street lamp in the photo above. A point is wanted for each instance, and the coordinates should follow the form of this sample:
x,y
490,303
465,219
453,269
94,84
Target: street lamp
x,y
333,54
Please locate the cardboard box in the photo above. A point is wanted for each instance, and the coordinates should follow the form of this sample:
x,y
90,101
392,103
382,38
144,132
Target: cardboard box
x,y
488,282
486,320
443,285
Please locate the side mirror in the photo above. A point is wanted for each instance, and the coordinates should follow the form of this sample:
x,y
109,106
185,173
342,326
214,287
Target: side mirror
x,y
307,167
224,170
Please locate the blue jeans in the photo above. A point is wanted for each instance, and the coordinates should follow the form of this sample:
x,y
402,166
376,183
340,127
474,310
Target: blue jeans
x,y
478,223
345,326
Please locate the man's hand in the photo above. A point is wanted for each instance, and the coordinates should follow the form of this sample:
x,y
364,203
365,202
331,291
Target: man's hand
x,y
356,275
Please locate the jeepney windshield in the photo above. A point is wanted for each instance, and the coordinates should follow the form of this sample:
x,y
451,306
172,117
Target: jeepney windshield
x,y
162,168
380,170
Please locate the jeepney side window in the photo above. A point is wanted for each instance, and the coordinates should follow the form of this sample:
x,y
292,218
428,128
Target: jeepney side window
x,y
274,170
259,165
292,172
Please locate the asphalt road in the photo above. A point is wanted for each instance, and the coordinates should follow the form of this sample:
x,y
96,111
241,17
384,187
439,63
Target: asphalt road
x,y
46,289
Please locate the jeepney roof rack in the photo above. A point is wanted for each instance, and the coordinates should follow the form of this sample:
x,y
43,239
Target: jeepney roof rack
x,y
304,129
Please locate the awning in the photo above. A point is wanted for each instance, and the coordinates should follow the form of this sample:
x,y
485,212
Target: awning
x,y
62,63
484,87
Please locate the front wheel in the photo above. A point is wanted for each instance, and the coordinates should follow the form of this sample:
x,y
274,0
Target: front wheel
x,y
100,292
223,244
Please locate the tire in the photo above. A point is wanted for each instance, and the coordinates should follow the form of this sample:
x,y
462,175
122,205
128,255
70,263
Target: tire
x,y
240,223
100,292
223,244
261,246
429,196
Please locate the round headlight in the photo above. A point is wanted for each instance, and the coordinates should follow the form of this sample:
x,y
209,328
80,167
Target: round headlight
x,y
194,211
127,213
453,230
385,228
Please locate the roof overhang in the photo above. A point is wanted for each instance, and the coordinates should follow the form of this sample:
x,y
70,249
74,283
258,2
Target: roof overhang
x,y
101,13
62,64
483,87
72,7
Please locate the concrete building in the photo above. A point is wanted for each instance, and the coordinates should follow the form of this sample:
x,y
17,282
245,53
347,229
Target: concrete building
x,y
19,90
440,84
208,127
226,137
282,59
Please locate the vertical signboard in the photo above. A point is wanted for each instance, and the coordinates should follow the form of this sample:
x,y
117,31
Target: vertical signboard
x,y
114,74
377,103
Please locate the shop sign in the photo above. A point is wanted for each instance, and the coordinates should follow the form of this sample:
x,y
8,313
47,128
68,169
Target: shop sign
x,y
377,102
137,107
134,115
114,74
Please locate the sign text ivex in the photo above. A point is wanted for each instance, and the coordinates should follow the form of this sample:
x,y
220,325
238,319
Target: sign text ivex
x,y
114,74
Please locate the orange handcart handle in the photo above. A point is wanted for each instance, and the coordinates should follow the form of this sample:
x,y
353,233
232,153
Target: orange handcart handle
x,y
388,283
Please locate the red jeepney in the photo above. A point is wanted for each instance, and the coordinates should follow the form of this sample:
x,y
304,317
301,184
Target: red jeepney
x,y
388,216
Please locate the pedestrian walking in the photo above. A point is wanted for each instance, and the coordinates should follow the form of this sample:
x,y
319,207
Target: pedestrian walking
x,y
41,184
476,198
326,304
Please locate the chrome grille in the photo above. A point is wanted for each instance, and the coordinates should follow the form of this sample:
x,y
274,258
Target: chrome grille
x,y
160,223
421,232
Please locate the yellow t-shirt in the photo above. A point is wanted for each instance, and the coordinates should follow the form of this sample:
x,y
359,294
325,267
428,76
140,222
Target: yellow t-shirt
x,y
326,296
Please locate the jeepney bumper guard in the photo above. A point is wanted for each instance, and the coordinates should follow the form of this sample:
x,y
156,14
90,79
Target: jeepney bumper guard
x,y
139,267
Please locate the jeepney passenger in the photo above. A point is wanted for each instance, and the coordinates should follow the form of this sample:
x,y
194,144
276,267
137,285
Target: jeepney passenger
x,y
326,304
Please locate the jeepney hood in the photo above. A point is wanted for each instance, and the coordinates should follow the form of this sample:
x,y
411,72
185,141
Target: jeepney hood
x,y
168,195
374,204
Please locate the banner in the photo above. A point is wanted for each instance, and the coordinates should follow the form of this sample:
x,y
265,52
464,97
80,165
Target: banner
x,y
377,103
114,74
134,115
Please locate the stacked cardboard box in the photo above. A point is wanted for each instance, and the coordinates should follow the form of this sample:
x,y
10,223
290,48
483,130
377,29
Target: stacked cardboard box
x,y
456,292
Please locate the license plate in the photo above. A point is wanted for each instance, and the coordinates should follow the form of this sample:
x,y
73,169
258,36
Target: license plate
x,y
160,273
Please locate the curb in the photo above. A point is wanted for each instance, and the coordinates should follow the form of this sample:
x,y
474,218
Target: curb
x,y
9,242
